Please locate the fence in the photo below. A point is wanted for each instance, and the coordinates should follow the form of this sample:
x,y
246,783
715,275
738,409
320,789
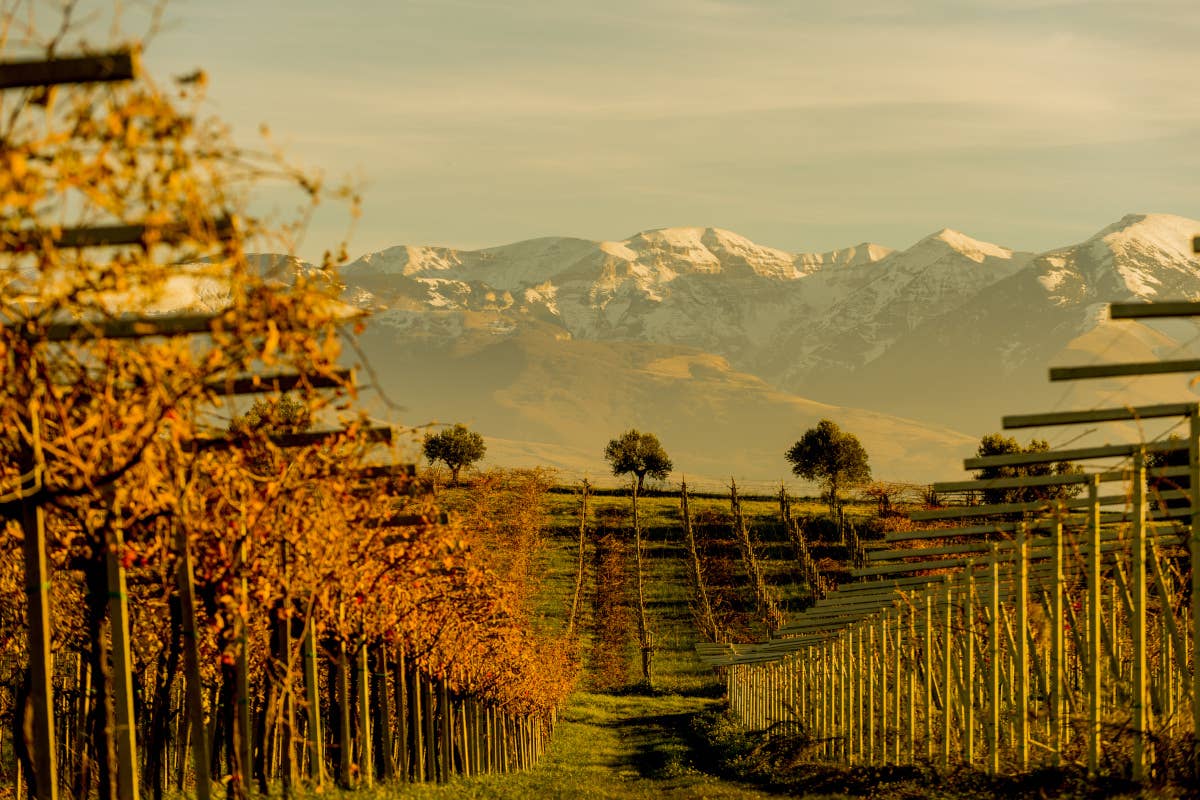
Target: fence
x,y
1052,632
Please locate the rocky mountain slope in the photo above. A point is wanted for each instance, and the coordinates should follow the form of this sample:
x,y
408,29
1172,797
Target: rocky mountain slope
x,y
729,350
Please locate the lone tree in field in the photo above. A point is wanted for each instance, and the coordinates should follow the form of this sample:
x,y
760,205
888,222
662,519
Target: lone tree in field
x,y
639,454
456,447
830,456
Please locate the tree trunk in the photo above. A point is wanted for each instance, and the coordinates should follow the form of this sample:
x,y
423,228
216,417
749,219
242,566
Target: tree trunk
x,y
579,566
707,621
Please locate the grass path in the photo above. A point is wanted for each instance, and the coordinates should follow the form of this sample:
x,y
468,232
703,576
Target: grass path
x,y
609,746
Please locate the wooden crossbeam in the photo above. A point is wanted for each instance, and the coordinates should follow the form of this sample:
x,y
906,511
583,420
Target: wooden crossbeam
x,y
1025,481
107,236
1008,508
1098,415
387,471
409,520
1078,454
1180,308
378,434
280,382
119,65
131,327
1124,370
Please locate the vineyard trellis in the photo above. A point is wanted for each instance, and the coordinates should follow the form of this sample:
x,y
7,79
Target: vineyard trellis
x,y
238,606
1043,633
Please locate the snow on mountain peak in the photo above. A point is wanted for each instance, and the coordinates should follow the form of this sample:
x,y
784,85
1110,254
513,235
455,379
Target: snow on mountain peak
x,y
1166,234
711,250
973,249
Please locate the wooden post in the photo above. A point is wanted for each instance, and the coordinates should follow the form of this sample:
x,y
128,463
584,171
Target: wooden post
x,y
445,717
947,674
312,699
345,704
867,662
928,676
287,698
366,760
1095,624
430,733
44,785
1057,647
400,688
122,663
191,662
1194,549
242,729
993,761
969,679
1137,625
1022,655
912,684
416,727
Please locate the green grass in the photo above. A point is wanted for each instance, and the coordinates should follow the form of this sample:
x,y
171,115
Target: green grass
x,y
608,746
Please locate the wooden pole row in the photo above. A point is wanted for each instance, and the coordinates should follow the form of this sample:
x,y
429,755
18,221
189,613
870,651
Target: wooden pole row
x,y
992,663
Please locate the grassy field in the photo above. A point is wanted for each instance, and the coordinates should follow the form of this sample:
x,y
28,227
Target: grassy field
x,y
633,742
675,740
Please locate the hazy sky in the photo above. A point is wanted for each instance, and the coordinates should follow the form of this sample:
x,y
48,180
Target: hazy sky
x,y
804,125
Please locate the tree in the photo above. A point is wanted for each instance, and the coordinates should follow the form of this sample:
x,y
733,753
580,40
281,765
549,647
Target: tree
x,y
830,456
639,454
996,444
456,447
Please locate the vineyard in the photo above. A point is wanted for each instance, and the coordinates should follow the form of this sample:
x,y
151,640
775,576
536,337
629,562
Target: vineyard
x,y
1040,616
194,599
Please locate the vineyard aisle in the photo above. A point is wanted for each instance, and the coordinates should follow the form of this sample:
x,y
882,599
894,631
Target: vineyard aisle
x,y
609,746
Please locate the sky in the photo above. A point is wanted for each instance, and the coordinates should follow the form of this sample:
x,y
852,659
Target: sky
x,y
802,124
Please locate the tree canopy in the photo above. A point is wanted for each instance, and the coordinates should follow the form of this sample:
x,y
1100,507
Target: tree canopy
x,y
830,456
456,447
996,444
638,454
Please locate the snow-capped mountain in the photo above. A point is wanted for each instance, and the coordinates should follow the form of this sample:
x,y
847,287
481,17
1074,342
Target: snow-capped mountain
x,y
701,325
990,355
781,315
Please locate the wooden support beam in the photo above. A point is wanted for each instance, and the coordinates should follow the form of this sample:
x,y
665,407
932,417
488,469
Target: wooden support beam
x,y
1078,454
130,327
408,521
1154,310
277,382
1124,370
376,434
387,471
1044,506
119,65
117,235
1123,414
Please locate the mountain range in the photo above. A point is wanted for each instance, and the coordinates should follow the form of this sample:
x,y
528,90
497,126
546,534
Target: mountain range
x,y
729,350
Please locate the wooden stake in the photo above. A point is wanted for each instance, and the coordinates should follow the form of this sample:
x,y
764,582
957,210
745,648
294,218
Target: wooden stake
x,y
993,760
1022,651
1137,625
1094,630
312,699
1194,548
44,785
122,664
366,760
